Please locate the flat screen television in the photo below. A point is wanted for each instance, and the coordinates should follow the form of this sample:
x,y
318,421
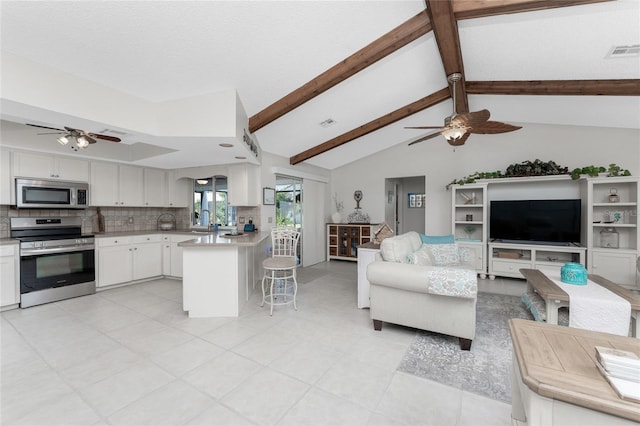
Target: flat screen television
x,y
535,221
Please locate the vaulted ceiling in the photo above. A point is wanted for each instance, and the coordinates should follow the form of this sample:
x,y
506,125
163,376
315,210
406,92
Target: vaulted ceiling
x,y
371,67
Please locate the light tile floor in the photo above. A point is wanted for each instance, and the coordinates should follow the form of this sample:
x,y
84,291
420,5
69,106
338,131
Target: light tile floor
x,y
130,356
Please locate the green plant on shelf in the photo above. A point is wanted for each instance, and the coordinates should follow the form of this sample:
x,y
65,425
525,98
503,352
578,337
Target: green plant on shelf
x,y
469,229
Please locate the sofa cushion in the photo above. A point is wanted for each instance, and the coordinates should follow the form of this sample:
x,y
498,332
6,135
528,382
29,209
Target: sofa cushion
x,y
398,248
445,254
423,256
437,239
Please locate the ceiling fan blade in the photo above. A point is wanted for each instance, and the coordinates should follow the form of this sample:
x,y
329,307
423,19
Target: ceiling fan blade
x,y
53,133
424,138
461,141
469,119
493,127
44,127
104,137
426,127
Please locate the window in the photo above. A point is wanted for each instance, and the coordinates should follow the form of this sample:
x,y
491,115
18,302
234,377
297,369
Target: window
x,y
205,206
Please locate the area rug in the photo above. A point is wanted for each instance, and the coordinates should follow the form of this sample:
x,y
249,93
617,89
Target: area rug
x,y
486,368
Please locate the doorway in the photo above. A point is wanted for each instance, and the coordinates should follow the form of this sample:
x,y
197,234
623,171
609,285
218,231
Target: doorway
x,y
289,205
401,213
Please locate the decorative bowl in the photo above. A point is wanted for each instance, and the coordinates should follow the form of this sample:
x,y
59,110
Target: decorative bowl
x,y
573,273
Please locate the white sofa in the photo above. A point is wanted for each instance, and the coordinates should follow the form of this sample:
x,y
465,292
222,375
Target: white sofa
x,y
436,292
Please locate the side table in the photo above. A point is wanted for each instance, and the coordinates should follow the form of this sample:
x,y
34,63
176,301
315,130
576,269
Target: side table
x,y
366,254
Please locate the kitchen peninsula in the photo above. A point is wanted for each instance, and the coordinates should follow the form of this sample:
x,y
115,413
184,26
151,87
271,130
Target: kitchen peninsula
x,y
218,271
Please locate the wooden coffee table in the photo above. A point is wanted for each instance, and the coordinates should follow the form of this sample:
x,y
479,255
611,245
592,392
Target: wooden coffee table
x,y
555,380
556,298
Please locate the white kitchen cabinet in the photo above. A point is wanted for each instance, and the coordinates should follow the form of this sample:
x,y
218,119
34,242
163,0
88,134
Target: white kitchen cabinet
x,y
243,183
166,255
131,185
7,189
9,275
179,192
154,187
114,261
31,165
172,254
147,256
123,259
116,185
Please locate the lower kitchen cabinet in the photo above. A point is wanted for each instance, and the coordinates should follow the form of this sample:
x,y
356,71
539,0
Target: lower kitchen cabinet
x,y
172,254
9,275
124,259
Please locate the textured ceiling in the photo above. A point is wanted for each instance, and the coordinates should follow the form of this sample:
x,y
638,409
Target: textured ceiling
x,y
160,51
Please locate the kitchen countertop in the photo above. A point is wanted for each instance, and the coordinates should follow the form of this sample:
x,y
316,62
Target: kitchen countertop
x,y
221,238
8,241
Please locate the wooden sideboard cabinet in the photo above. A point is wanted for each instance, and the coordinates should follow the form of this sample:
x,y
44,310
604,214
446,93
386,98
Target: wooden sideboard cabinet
x,y
343,239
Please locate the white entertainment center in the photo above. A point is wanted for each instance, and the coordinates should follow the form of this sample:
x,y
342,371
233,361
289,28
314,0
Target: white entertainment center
x,y
471,217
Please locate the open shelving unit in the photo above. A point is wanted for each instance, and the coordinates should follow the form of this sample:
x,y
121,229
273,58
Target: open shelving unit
x,y
615,264
469,221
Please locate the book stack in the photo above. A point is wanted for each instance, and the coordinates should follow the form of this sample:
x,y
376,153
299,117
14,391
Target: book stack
x,y
622,371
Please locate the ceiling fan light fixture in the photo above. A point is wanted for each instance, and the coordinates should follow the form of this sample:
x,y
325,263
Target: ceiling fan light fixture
x,y
82,142
453,134
63,140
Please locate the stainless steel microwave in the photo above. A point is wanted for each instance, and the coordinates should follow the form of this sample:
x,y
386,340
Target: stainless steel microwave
x,y
51,194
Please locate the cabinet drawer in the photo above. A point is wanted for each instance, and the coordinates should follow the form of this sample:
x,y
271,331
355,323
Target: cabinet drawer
x,y
333,251
511,268
366,231
151,238
333,230
113,241
333,241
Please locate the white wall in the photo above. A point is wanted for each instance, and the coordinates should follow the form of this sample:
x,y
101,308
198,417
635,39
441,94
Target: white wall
x,y
569,146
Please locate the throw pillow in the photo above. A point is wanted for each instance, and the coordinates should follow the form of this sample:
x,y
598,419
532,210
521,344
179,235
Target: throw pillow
x,y
437,239
445,254
422,256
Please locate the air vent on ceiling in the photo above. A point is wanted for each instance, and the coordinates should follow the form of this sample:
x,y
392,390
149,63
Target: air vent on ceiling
x,y
624,51
328,122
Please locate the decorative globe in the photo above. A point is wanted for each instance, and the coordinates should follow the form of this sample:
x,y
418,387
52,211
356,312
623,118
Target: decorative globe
x,y
573,273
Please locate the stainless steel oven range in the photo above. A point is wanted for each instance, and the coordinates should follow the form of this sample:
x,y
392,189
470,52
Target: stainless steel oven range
x,y
56,260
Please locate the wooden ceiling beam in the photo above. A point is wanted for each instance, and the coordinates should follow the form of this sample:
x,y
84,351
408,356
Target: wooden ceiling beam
x,y
390,42
378,123
468,9
445,30
623,87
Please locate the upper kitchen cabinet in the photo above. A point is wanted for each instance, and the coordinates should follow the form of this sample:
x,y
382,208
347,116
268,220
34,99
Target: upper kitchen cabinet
x,y
155,182
116,185
243,185
30,165
6,183
179,191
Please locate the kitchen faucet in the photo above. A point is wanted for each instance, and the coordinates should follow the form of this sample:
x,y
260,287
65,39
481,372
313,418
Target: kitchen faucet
x,y
210,224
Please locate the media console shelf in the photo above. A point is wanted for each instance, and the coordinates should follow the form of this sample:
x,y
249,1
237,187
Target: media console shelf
x,y
506,259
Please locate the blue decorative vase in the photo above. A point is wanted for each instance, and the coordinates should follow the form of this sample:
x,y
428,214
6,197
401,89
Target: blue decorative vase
x,y
573,273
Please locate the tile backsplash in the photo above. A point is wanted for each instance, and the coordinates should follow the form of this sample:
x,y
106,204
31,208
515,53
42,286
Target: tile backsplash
x,y
117,219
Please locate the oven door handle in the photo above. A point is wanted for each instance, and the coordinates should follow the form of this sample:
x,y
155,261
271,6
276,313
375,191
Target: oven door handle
x,y
59,249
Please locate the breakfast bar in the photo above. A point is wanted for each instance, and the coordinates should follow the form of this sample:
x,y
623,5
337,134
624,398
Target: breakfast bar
x,y
219,269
